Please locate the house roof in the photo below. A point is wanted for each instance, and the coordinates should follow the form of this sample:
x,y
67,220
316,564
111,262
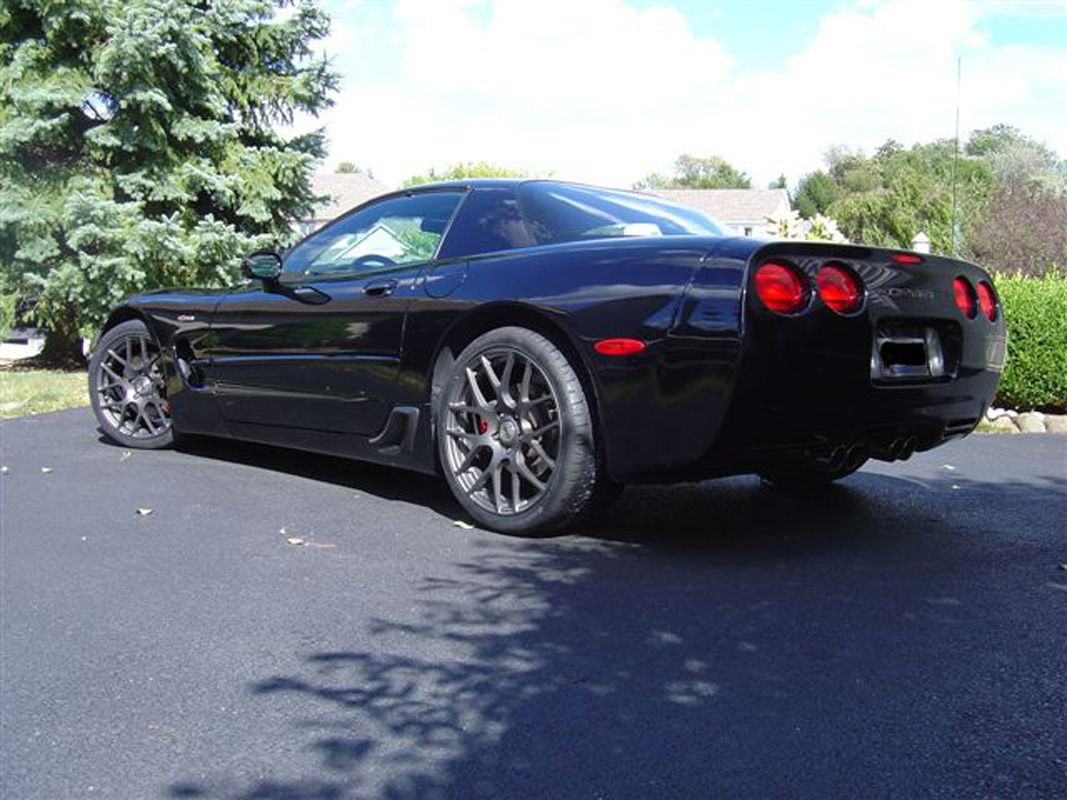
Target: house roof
x,y
731,206
345,191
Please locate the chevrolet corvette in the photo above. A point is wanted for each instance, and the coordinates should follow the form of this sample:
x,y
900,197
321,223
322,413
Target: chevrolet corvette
x,y
540,344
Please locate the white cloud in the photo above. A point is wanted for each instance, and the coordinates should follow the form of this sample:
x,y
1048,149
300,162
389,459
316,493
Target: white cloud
x,y
601,91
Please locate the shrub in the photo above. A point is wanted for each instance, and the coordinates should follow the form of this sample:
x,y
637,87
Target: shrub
x,y
1035,309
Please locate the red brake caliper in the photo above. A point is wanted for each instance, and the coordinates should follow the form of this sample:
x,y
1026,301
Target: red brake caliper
x,y
483,426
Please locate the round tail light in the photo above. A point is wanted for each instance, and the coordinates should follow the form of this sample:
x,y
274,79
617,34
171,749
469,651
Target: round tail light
x,y
839,288
781,288
987,300
965,299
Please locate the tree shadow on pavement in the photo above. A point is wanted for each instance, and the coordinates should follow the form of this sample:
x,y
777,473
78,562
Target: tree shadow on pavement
x,y
720,639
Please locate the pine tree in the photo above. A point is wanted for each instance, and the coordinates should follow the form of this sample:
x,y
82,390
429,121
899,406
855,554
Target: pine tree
x,y
139,145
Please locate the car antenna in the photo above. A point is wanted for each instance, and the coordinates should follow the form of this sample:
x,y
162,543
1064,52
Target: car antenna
x,y
955,161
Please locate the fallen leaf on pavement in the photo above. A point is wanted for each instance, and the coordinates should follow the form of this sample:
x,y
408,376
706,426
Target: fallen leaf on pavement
x,y
144,512
949,467
125,454
295,540
4,470
46,470
465,525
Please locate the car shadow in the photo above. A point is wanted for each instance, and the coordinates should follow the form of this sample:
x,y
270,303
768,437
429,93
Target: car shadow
x,y
388,483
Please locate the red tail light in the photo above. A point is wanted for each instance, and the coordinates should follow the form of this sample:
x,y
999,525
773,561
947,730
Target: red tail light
x,y
839,288
965,299
906,258
781,288
987,300
619,347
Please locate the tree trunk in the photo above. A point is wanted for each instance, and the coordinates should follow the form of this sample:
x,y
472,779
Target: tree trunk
x,y
63,350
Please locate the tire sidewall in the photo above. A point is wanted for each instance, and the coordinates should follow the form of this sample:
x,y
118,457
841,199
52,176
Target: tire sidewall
x,y
573,479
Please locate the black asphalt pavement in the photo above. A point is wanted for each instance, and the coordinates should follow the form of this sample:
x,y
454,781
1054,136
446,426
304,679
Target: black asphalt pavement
x,y
902,635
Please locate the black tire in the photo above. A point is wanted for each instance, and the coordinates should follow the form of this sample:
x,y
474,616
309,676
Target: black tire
x,y
573,487
127,388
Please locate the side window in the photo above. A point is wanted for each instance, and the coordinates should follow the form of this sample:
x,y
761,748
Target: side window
x,y
392,232
489,221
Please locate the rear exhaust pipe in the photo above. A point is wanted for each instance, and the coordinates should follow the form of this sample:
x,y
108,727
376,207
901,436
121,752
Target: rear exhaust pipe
x,y
857,454
888,452
837,458
908,450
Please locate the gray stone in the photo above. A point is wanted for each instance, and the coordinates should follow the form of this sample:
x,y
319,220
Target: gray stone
x,y
1003,425
1056,423
1032,422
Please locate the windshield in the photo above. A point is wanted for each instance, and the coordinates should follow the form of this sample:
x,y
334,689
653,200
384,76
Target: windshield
x,y
562,213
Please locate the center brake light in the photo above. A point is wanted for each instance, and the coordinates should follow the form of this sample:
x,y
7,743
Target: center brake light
x,y
781,288
906,258
839,288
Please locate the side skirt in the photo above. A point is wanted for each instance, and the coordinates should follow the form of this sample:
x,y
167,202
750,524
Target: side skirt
x,y
404,442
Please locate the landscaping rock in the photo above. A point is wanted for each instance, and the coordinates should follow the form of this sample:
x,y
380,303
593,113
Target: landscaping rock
x,y
1003,425
1056,423
995,413
1032,422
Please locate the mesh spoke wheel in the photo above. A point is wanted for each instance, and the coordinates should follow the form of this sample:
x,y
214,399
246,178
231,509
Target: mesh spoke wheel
x,y
503,427
130,387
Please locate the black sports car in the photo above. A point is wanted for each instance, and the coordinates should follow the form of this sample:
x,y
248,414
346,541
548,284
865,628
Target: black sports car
x,y
541,344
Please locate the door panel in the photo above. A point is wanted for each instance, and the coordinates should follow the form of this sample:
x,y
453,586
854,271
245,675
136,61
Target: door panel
x,y
319,349
329,364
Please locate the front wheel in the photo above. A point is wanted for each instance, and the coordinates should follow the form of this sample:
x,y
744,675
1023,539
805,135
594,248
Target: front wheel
x,y
515,435
127,388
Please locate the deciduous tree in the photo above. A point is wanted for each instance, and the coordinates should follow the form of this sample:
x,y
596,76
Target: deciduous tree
x,y
466,169
691,172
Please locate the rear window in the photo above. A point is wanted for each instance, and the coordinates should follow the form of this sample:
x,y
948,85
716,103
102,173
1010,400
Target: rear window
x,y
561,213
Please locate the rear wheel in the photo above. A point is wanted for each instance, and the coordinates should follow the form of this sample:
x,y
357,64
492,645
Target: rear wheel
x,y
127,388
515,435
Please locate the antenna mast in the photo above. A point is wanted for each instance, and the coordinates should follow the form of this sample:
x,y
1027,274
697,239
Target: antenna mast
x,y
955,161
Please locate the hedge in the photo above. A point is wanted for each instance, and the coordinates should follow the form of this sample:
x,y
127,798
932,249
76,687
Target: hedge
x,y
1035,375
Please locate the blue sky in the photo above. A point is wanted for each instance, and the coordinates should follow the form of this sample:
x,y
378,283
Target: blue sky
x,y
608,90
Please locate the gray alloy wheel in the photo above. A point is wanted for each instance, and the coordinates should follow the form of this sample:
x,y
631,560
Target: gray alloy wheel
x,y
503,431
515,434
127,388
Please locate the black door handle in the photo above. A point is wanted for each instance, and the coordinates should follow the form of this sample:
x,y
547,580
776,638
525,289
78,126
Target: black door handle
x,y
380,288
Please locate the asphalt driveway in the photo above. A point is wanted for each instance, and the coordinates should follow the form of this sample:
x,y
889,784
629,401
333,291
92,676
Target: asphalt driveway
x,y
903,635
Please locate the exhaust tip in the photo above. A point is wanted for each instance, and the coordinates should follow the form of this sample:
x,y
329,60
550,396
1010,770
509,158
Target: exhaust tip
x,y
909,447
857,454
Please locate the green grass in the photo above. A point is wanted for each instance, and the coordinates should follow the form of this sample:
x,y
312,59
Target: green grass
x,y
38,391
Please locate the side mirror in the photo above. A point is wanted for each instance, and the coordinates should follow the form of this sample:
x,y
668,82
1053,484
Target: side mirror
x,y
263,266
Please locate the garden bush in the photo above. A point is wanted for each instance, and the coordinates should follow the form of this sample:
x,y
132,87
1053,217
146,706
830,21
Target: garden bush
x,y
1035,309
